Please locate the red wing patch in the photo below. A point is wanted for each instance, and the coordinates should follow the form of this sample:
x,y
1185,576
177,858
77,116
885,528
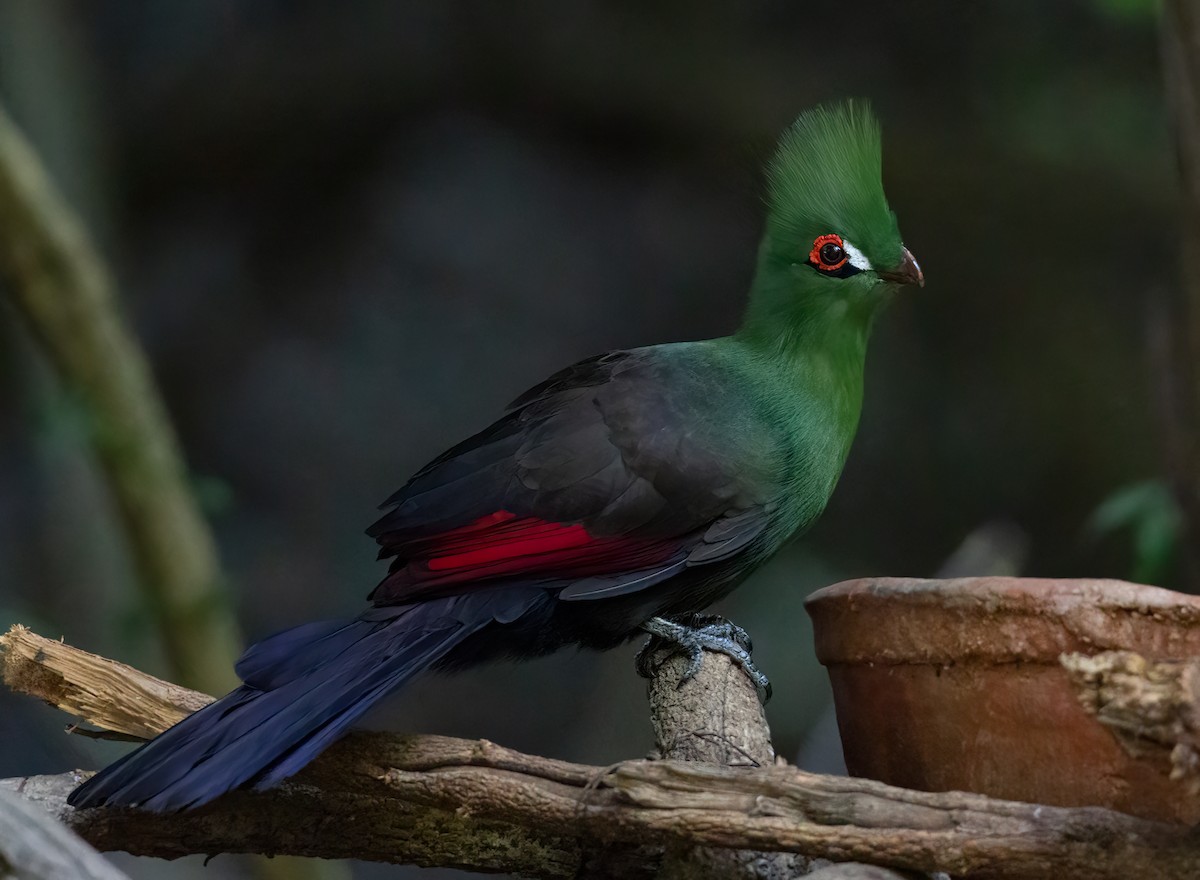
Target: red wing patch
x,y
504,545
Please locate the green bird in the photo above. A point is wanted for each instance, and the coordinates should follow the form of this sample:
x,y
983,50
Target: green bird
x,y
623,495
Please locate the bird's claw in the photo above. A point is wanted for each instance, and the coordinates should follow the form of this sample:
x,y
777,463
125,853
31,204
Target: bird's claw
x,y
697,634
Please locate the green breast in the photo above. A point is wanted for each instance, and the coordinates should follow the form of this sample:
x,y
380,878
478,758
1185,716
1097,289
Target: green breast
x,y
803,408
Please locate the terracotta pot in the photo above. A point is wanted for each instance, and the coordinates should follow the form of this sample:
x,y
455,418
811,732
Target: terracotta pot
x,y
956,685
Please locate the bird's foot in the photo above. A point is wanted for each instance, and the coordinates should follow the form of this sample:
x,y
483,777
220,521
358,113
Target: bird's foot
x,y
694,636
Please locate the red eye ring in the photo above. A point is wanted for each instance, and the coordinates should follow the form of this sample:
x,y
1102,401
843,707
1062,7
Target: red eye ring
x,y
826,258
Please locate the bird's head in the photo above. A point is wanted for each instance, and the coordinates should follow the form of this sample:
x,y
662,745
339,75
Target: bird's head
x,y
832,245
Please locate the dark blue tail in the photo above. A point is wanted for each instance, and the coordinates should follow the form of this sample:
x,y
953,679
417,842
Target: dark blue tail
x,y
303,688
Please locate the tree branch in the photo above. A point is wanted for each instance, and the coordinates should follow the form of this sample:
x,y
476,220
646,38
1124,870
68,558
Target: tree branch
x,y
728,728
58,280
435,800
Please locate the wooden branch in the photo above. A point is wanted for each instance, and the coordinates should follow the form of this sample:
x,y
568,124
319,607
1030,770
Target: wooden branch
x,y
111,695
435,800
726,727
1148,705
59,282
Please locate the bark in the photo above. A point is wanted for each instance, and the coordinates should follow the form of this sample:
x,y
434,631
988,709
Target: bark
x,y
725,726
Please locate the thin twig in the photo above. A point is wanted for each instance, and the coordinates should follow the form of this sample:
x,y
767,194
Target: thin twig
x,y
103,735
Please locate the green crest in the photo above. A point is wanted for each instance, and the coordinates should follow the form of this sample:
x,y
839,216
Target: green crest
x,y
826,177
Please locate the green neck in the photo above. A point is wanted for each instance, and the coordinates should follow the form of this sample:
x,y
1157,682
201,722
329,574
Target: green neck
x,y
796,319
813,343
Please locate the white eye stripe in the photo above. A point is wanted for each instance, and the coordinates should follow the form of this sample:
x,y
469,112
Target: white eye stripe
x,y
855,257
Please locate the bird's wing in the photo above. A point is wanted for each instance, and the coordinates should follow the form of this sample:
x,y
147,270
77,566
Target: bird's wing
x,y
605,479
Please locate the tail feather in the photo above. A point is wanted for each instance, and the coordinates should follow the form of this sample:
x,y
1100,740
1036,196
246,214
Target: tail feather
x,y
303,688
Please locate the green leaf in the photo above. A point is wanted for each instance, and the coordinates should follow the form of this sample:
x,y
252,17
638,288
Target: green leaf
x,y
1149,513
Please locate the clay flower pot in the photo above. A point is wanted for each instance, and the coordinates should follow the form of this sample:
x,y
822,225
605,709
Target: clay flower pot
x,y
956,685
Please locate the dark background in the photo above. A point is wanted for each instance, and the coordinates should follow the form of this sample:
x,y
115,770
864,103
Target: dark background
x,y
348,234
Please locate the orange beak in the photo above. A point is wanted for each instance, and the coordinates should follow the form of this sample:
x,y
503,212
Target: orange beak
x,y
908,272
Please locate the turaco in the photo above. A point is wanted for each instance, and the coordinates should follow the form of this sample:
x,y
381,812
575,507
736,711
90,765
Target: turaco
x,y
621,496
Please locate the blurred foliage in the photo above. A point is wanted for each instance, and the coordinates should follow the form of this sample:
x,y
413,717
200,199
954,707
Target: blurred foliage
x,y
215,495
1145,10
1149,515
58,416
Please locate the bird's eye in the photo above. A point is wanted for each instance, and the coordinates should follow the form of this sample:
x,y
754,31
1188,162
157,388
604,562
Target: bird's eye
x,y
831,255
828,252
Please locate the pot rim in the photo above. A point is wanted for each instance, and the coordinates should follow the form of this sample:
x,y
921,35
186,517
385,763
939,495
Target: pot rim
x,y
998,620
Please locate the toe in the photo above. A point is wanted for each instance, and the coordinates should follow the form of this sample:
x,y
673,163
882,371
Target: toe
x,y
694,663
764,691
